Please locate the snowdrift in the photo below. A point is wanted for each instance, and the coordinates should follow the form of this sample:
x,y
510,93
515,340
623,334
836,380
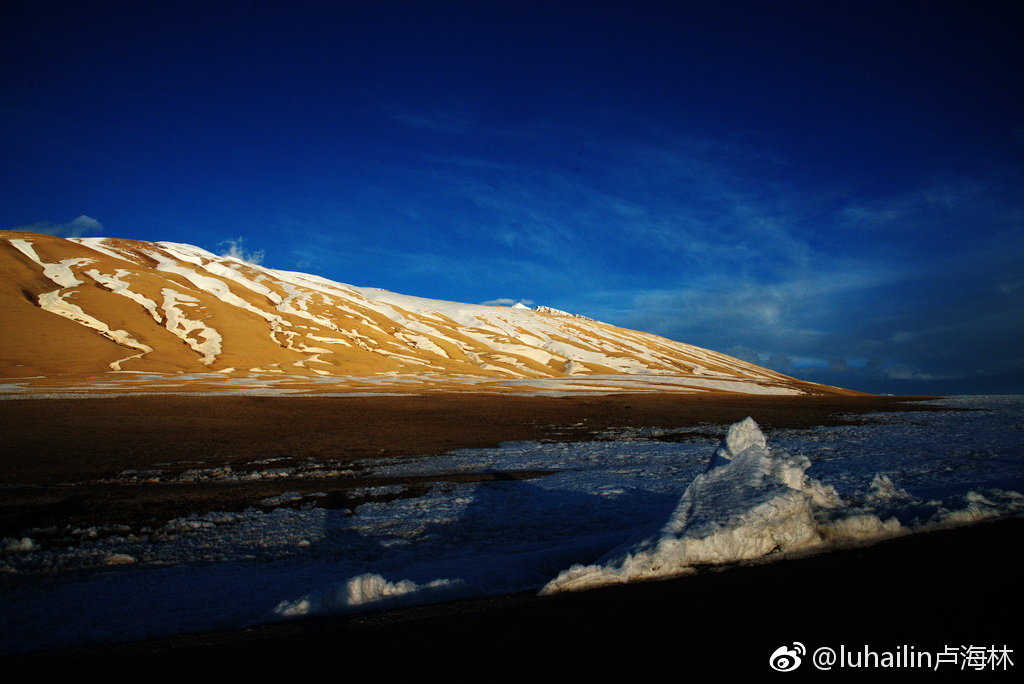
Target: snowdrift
x,y
752,502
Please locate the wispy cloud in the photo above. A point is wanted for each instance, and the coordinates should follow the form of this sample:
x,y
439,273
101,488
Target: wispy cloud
x,y
945,207
236,248
77,227
507,301
434,119
940,321
715,242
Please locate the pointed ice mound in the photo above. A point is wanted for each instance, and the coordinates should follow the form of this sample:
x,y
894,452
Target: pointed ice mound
x,y
749,502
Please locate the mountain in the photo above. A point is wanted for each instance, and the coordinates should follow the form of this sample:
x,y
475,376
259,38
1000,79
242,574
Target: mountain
x,y
84,306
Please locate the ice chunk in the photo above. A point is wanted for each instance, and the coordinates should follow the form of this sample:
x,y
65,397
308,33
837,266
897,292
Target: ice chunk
x,y
19,545
119,559
369,589
282,499
979,505
740,437
883,490
856,526
748,503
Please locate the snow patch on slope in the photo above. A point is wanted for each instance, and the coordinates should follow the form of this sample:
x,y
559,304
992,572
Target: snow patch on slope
x,y
56,301
116,284
60,273
182,326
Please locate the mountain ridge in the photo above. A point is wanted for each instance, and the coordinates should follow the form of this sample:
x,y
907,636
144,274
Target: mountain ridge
x,y
99,305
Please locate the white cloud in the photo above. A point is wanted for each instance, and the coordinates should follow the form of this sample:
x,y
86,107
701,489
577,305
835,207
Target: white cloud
x,y
797,309
506,301
77,227
236,249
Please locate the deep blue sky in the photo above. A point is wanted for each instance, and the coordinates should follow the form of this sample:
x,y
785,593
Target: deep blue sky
x,y
832,189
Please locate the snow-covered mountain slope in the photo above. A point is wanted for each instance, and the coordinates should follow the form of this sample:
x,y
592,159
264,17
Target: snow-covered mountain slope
x,y
94,305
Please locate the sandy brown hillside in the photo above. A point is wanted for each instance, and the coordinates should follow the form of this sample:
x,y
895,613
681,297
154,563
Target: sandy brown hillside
x,y
99,305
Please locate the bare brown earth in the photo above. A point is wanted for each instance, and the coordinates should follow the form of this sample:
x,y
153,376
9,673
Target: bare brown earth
x,y
63,461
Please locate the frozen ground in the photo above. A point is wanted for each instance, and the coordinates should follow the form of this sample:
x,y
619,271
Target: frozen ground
x,y
637,504
124,383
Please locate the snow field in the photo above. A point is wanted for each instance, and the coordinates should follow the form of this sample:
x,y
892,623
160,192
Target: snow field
x,y
630,507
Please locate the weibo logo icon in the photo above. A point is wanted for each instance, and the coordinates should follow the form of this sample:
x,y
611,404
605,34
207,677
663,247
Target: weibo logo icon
x,y
787,658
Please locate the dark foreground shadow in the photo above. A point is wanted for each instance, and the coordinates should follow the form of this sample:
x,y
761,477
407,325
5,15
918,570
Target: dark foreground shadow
x,y
512,526
927,591
503,509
